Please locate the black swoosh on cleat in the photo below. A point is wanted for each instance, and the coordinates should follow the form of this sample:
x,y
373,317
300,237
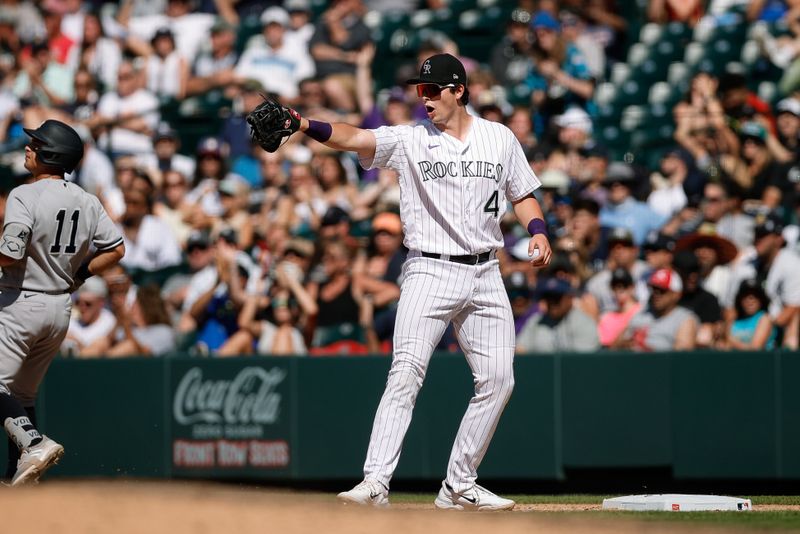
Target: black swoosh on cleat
x,y
373,495
473,500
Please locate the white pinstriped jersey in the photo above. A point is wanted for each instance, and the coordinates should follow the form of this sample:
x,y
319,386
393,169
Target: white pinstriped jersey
x,y
452,193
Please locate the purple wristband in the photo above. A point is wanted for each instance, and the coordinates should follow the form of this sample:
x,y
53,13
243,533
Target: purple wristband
x,y
537,226
319,131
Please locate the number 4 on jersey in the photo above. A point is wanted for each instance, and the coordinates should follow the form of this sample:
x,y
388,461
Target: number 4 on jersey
x,y
492,205
61,216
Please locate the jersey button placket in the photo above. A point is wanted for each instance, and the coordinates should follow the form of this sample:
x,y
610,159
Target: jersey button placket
x,y
466,190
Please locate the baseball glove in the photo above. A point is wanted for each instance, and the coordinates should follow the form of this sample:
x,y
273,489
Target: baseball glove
x,y
271,124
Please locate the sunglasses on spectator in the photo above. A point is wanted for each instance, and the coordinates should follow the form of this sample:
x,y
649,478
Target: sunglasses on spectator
x,y
432,90
386,232
713,199
84,302
658,290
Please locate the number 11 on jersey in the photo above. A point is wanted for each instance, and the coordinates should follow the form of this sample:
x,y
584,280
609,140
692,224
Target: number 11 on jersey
x,y
61,216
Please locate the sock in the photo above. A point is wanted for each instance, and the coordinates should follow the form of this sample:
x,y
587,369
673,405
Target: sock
x,y
13,450
17,423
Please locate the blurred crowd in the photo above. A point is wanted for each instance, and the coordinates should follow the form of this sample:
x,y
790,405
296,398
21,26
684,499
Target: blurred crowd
x,y
232,250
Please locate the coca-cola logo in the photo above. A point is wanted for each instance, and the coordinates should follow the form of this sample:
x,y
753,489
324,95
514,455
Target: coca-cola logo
x,y
251,397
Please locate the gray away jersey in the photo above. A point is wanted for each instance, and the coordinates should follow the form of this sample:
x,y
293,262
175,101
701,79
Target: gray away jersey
x,y
62,222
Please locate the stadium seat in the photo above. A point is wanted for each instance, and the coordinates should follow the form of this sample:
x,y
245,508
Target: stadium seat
x,y
248,28
620,72
520,94
651,33
679,77
605,94
345,347
693,54
421,18
661,93
677,33
373,20
633,91
768,92
750,54
327,335
632,118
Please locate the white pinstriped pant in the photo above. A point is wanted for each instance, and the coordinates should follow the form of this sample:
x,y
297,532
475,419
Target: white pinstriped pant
x,y
434,293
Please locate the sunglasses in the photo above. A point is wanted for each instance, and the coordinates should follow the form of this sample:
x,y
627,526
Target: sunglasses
x,y
82,302
432,90
658,290
386,232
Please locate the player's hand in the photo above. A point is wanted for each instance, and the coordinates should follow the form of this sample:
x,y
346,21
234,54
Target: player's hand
x,y
539,250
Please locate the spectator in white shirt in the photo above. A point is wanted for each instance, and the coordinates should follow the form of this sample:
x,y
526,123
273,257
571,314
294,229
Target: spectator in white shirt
x,y
93,321
300,25
128,115
214,64
782,281
278,63
668,196
165,156
149,243
165,66
99,54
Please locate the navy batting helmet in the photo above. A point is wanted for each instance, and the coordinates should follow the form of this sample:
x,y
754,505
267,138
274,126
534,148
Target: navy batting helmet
x,y
61,145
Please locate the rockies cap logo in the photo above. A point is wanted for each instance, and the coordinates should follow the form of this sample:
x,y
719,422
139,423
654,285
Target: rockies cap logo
x,y
426,67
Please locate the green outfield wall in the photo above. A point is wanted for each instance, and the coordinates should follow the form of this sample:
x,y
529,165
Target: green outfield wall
x,y
703,415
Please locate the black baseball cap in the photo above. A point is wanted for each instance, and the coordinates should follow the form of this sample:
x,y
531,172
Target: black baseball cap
x,y
658,241
620,235
686,262
334,215
517,286
441,69
772,224
198,239
621,277
553,286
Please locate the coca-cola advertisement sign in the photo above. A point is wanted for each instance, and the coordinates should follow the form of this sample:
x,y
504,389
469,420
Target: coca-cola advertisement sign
x,y
230,416
250,397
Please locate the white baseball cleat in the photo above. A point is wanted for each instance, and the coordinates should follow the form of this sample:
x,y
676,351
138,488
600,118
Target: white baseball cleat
x,y
34,461
475,499
368,492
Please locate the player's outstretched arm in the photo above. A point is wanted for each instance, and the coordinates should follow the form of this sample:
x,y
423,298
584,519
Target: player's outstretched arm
x,y
341,136
271,124
529,213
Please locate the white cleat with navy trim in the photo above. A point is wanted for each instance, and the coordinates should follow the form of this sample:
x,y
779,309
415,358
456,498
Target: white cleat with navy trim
x,y
475,499
368,492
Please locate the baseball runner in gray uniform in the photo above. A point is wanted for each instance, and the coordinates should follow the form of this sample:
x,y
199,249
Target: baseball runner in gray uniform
x,y
456,172
55,236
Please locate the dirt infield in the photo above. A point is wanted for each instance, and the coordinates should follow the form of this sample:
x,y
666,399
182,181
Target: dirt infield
x,y
123,507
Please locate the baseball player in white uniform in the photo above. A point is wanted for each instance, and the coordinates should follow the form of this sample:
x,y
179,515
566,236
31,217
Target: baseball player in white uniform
x,y
55,236
456,173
